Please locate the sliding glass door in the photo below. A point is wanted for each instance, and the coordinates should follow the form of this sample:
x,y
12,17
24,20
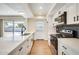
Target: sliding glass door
x,y
18,27
8,29
13,28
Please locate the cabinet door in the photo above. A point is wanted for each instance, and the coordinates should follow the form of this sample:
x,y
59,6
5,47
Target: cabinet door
x,y
71,14
77,11
16,51
24,49
29,43
59,48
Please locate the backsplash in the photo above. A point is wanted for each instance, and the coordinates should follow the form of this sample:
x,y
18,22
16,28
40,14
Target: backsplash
x,y
71,27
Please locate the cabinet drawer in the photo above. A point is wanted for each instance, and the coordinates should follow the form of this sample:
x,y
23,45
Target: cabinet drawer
x,y
16,51
20,50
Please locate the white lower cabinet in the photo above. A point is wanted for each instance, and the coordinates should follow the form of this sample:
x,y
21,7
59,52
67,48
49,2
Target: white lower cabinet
x,y
59,49
63,49
66,47
24,48
17,51
29,44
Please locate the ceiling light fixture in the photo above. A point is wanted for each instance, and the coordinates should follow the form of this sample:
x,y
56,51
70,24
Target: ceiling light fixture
x,y
41,7
21,13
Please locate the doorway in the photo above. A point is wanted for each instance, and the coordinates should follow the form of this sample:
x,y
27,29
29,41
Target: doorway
x,y
41,29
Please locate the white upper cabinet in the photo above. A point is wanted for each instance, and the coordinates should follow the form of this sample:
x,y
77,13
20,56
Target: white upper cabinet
x,y
57,15
71,14
77,11
72,10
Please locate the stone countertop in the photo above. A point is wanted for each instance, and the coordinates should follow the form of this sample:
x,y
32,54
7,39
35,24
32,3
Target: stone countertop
x,y
9,44
73,43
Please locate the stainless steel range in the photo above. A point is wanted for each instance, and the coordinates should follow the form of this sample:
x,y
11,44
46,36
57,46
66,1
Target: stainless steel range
x,y
67,33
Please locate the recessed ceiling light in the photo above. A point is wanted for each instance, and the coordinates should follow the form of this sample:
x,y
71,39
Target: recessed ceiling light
x,y
40,17
41,7
21,13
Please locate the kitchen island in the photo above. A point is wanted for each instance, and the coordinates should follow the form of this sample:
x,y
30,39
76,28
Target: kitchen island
x,y
19,45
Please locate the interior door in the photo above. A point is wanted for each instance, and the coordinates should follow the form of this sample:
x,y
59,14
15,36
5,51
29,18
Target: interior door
x,y
40,29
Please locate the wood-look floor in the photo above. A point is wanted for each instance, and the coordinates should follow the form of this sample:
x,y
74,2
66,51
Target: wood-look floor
x,y
41,47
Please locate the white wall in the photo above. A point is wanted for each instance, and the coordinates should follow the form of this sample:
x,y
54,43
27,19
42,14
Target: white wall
x,y
51,28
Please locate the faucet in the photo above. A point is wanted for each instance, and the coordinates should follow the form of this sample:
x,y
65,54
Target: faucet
x,y
23,29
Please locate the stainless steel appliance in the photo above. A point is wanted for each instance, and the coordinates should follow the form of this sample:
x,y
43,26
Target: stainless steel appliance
x,y
54,42
68,33
62,18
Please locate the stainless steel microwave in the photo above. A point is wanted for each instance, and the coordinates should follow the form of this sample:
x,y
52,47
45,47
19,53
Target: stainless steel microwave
x,y
62,18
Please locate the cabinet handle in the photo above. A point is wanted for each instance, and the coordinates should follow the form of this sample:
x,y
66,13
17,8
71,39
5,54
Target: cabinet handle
x,y
74,19
64,47
77,18
20,48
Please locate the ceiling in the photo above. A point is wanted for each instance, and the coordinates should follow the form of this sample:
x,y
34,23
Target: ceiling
x,y
21,8
40,9
29,10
